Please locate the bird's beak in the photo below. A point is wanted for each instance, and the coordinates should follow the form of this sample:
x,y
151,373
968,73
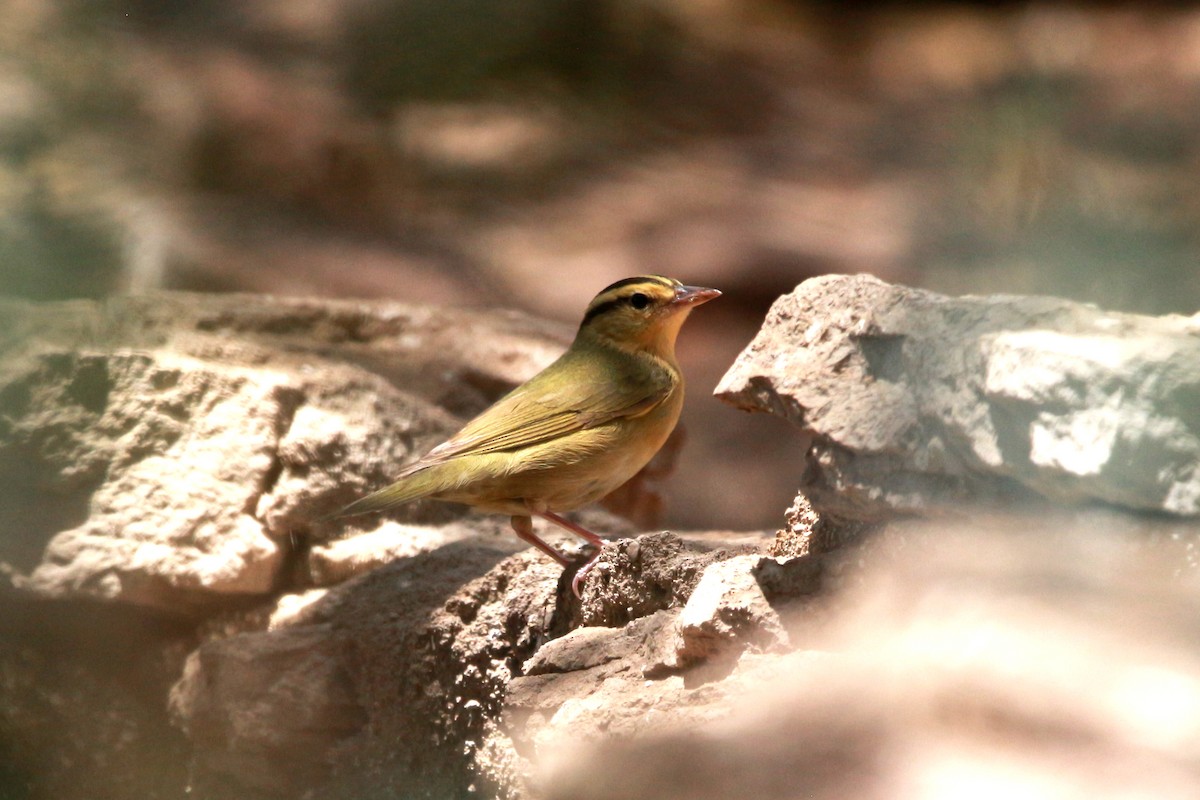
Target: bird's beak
x,y
686,296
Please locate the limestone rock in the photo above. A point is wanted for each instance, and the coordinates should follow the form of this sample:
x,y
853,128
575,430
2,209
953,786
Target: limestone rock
x,y
918,401
1038,661
432,673
728,606
171,451
257,700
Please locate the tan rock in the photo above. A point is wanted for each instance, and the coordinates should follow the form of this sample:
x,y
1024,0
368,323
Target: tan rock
x,y
921,402
1048,661
728,608
170,451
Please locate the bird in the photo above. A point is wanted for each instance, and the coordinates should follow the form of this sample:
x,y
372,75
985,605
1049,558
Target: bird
x,y
575,431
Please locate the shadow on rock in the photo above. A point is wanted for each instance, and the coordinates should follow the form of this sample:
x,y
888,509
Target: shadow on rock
x,y
371,691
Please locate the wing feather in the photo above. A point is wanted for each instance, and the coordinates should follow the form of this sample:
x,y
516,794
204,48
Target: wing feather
x,y
575,394
542,410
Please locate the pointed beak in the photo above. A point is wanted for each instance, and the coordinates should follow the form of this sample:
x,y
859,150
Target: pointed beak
x,y
693,296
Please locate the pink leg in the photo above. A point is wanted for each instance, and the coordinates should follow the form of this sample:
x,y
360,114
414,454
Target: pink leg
x,y
579,530
524,529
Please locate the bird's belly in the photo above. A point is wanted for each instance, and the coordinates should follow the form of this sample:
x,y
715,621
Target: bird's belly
x,y
572,486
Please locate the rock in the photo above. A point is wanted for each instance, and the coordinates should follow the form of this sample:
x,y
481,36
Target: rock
x,y
582,648
643,667
635,578
383,681
1043,660
574,685
919,402
802,527
595,687
421,657
166,494
337,561
172,451
253,702
728,606
431,673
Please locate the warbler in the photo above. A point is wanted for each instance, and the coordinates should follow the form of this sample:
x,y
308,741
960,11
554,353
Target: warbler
x,y
575,431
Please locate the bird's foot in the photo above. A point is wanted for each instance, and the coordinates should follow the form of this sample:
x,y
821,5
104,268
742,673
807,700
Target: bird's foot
x,y
582,574
591,538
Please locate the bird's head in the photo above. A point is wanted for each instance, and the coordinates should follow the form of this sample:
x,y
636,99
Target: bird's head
x,y
642,313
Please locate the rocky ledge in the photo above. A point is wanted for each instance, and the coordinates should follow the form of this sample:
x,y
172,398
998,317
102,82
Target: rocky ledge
x,y
917,401
988,581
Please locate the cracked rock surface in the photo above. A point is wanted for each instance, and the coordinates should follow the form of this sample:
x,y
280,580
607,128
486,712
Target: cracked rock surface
x,y
1036,657
165,463
918,401
183,445
176,619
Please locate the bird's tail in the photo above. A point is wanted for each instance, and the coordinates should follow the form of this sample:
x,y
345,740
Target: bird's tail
x,y
413,486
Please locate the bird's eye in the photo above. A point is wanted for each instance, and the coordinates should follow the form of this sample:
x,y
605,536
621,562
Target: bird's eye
x,y
639,300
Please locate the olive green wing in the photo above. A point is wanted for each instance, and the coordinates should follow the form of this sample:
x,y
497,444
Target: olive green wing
x,y
547,409
573,395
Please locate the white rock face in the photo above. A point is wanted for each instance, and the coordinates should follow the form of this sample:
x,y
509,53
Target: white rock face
x,y
919,401
187,447
174,451
1102,412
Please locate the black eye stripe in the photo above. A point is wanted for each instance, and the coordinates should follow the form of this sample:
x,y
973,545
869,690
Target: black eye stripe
x,y
650,284
605,307
610,304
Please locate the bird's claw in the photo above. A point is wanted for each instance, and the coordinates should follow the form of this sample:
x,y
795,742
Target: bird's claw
x,y
582,573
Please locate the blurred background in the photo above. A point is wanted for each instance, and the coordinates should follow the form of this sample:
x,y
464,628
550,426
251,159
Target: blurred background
x,y
526,153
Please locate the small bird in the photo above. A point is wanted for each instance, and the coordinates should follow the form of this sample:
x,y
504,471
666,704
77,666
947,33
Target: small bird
x,y
575,431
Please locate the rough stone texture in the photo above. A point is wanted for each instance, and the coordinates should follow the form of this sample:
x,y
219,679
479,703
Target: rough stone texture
x,y
173,451
603,683
675,665
728,605
919,401
421,658
801,530
634,578
164,457
904,641
431,674
1029,659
